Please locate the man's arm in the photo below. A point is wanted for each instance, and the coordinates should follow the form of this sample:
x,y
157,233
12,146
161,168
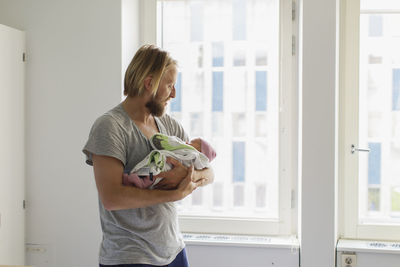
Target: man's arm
x,y
173,177
114,195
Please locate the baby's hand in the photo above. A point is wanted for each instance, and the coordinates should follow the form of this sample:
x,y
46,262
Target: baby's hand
x,y
134,180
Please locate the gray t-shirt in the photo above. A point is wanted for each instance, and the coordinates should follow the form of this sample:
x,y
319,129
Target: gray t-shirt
x,y
148,235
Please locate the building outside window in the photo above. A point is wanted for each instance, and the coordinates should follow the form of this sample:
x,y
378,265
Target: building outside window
x,y
229,92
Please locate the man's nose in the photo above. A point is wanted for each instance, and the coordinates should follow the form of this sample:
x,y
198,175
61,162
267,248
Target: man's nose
x,y
173,92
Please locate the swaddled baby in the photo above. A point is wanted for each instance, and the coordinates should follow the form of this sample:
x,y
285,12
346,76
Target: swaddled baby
x,y
197,152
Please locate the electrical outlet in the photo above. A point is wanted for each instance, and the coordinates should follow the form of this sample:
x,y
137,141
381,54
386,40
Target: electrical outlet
x,y
349,260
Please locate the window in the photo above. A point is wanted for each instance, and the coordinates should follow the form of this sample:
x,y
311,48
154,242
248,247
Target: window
x,y
371,115
232,92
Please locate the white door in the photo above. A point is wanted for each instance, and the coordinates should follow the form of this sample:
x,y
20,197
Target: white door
x,y
12,146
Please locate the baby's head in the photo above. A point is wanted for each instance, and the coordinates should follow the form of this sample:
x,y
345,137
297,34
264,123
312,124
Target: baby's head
x,y
204,147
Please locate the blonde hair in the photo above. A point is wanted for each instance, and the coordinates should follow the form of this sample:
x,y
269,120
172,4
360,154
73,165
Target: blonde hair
x,y
149,60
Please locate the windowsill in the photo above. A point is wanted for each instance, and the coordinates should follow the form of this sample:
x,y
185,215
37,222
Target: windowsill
x,y
241,241
346,245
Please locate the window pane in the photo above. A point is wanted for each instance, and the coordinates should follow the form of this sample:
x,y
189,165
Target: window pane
x,y
261,192
375,128
239,19
196,124
261,129
381,4
196,52
396,199
218,54
218,194
373,199
238,195
238,157
374,164
217,124
196,22
197,197
239,124
379,105
174,24
228,93
396,89
261,90
237,84
218,87
176,103
239,56
261,56
375,25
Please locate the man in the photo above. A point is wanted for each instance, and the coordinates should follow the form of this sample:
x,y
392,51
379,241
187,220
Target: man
x,y
140,226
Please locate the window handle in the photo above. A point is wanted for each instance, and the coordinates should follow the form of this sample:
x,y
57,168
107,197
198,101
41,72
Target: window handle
x,y
354,149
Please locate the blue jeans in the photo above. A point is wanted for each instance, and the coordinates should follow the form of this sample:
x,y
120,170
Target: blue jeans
x,y
180,261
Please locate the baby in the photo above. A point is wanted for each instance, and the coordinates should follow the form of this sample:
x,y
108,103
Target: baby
x,y
197,152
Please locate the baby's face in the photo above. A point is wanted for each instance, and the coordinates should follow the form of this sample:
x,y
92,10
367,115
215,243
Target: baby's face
x,y
196,143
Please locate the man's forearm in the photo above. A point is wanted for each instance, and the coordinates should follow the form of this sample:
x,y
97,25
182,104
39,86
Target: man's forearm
x,y
129,197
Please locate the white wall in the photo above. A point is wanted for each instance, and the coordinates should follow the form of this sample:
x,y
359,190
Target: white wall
x,y
73,75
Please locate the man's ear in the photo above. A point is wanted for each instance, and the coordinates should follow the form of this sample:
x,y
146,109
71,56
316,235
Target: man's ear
x,y
148,82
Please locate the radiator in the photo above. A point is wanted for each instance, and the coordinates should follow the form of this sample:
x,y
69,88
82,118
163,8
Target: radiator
x,y
206,250
368,253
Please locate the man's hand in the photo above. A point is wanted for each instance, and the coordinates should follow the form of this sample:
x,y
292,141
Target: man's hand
x,y
187,186
173,177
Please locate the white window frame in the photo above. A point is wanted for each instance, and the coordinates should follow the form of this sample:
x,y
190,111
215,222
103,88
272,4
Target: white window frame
x,y
286,225
348,128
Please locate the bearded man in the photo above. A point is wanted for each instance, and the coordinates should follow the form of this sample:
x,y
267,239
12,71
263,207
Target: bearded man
x,y
140,226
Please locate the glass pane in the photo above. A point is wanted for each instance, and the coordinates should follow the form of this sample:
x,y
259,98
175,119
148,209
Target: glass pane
x,y
228,85
218,194
261,192
396,90
196,21
238,195
196,51
176,103
379,105
218,54
239,124
261,129
261,90
192,92
261,56
217,124
396,199
239,20
375,26
239,56
238,159
370,5
217,91
196,124
238,84
197,197
373,199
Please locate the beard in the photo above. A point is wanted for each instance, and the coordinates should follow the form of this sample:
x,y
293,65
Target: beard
x,y
155,107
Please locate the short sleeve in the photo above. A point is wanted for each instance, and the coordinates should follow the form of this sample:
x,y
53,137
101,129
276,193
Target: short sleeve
x,y
106,138
174,128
